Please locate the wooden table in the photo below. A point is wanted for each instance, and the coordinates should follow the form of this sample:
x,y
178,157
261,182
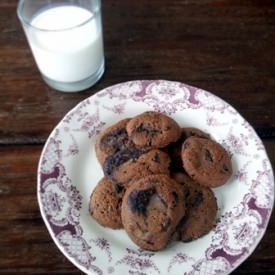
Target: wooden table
x,y
226,47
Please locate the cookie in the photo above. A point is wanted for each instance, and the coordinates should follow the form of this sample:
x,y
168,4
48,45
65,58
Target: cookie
x,y
206,161
112,140
105,204
153,130
151,209
174,149
131,164
182,178
201,210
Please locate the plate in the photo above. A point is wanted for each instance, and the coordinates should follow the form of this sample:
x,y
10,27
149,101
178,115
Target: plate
x,y
68,171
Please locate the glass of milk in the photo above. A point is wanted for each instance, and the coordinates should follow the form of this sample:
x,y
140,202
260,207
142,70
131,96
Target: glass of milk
x,y
66,40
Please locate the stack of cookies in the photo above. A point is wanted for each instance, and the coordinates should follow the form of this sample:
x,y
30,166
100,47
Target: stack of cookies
x,y
157,180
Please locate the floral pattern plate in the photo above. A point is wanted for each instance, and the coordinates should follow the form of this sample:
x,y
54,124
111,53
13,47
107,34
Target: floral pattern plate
x,y
68,171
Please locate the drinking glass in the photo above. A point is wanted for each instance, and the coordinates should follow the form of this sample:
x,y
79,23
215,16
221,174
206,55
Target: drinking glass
x,y
66,40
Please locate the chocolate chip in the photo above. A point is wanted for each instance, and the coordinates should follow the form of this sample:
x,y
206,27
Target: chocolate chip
x,y
175,195
155,158
193,133
225,168
198,198
138,200
140,128
149,242
186,145
115,141
208,155
117,159
118,188
147,130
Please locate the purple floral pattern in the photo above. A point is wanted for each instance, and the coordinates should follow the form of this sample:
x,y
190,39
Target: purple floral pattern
x,y
179,259
104,245
63,197
139,262
242,173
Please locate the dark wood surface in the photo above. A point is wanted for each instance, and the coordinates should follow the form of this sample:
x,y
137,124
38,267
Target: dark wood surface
x,y
226,47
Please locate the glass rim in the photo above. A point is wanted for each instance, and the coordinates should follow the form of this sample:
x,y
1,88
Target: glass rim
x,y
27,22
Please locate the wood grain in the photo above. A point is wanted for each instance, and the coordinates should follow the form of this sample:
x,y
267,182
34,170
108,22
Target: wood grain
x,y
226,47
25,244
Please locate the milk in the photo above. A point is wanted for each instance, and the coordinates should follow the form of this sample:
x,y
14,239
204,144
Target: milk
x,y
62,51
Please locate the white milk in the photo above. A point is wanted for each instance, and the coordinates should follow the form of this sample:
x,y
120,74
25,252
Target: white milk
x,y
66,53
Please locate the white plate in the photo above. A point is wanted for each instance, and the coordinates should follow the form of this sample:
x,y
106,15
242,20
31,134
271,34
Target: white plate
x,y
68,171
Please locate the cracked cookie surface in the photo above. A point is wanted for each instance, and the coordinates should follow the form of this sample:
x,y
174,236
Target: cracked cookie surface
x,y
206,161
112,140
151,209
201,210
153,130
131,164
174,149
105,204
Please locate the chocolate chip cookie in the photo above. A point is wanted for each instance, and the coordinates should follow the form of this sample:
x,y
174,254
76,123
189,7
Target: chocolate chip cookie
x,y
201,210
174,149
105,204
132,163
206,161
112,140
153,130
151,209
